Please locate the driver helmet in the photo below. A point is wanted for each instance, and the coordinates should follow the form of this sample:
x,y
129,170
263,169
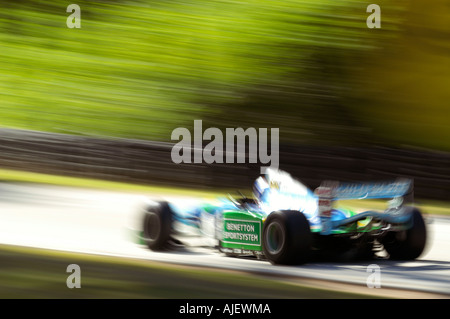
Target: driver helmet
x,y
261,184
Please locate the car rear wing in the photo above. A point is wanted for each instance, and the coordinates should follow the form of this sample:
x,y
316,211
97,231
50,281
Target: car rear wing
x,y
330,191
377,190
399,191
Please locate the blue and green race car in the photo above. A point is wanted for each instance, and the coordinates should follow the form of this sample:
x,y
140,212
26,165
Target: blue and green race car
x,y
287,223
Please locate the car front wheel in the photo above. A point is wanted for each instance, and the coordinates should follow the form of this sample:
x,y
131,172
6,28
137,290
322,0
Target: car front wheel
x,y
287,237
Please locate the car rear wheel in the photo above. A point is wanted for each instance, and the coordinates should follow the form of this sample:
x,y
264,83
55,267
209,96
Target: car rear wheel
x,y
157,226
286,238
408,244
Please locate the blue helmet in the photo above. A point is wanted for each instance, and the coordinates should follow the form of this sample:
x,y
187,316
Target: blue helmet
x,y
259,187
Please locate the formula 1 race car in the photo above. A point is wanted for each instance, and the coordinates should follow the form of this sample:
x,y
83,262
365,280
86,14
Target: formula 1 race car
x,y
287,223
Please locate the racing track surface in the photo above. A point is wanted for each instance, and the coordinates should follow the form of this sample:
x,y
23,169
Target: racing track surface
x,y
99,222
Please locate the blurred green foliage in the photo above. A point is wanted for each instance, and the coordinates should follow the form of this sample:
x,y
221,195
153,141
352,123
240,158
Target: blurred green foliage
x,y
139,69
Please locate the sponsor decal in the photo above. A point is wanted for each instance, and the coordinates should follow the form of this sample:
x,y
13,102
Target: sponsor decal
x,y
326,195
242,232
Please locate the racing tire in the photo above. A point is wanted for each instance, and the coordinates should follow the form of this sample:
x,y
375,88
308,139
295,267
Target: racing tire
x,y
408,244
287,238
157,226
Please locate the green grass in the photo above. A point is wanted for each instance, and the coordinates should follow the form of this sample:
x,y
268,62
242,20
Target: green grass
x,y
36,273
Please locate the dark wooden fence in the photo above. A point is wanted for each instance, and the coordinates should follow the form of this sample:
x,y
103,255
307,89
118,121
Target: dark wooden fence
x,y
148,162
